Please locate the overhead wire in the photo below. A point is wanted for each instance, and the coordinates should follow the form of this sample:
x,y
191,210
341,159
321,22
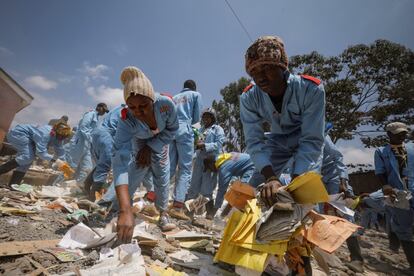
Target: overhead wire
x,y
240,22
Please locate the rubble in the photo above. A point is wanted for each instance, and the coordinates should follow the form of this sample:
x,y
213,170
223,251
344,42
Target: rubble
x,y
36,219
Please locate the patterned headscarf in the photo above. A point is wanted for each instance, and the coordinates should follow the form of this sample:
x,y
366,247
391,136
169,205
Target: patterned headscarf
x,y
266,50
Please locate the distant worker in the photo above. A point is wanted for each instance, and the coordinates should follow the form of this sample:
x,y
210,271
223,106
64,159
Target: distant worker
x,y
394,166
293,105
209,145
31,141
150,124
230,166
188,103
102,144
80,149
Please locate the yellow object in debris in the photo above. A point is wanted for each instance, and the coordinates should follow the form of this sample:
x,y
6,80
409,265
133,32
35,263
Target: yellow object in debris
x,y
221,159
308,188
244,233
355,203
165,271
230,253
67,170
14,211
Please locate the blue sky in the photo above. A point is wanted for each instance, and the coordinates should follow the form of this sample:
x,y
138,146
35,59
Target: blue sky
x,y
69,54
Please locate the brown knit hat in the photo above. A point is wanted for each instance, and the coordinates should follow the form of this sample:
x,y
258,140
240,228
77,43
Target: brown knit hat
x,y
136,83
266,50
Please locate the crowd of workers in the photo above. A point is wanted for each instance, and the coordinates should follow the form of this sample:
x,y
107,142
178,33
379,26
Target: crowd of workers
x,y
150,139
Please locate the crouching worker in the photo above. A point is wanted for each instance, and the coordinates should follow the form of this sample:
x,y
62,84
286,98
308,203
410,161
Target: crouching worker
x,y
293,105
229,166
394,166
31,140
149,124
101,148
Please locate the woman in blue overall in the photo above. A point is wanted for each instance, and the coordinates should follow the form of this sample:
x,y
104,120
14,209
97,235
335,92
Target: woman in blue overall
x,y
150,124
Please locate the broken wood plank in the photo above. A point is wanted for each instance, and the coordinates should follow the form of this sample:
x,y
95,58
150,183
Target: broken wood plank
x,y
25,247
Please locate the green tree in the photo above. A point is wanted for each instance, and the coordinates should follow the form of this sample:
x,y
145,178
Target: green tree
x,y
367,86
228,114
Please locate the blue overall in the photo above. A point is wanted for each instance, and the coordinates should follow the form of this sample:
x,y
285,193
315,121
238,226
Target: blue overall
x,y
132,130
298,131
81,147
188,105
204,182
102,144
333,167
239,166
374,205
30,140
400,221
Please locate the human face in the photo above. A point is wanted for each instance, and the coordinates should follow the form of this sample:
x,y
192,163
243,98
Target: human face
x,y
397,139
101,110
207,119
270,79
140,106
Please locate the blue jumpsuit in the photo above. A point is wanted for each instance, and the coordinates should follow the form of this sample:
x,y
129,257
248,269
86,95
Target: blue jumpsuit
x,y
102,143
374,205
401,221
81,148
204,182
188,105
30,140
240,166
133,130
333,167
298,131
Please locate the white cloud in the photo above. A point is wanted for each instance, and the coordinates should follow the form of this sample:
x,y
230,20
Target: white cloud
x,y
94,72
5,52
42,109
41,83
357,155
111,96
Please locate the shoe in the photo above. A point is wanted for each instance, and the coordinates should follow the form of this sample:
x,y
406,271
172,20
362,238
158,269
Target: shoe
x,y
178,213
356,266
150,210
211,211
165,224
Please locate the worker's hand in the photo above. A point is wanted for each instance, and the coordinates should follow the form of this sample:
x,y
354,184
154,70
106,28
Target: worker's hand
x,y
364,195
125,226
143,157
343,188
200,145
388,190
58,163
268,192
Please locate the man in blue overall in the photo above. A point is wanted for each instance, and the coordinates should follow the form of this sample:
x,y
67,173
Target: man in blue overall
x,y
188,103
394,166
293,105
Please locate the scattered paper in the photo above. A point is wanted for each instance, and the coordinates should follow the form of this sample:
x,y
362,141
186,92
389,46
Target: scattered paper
x,y
78,237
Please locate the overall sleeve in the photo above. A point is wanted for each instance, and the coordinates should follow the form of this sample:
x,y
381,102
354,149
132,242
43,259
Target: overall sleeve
x,y
60,151
41,140
197,109
312,130
379,162
253,132
122,152
339,158
166,136
219,138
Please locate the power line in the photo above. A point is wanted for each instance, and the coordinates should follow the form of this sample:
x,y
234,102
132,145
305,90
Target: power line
x,y
238,19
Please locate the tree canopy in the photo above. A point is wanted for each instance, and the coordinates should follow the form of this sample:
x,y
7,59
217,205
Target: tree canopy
x,y
367,86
